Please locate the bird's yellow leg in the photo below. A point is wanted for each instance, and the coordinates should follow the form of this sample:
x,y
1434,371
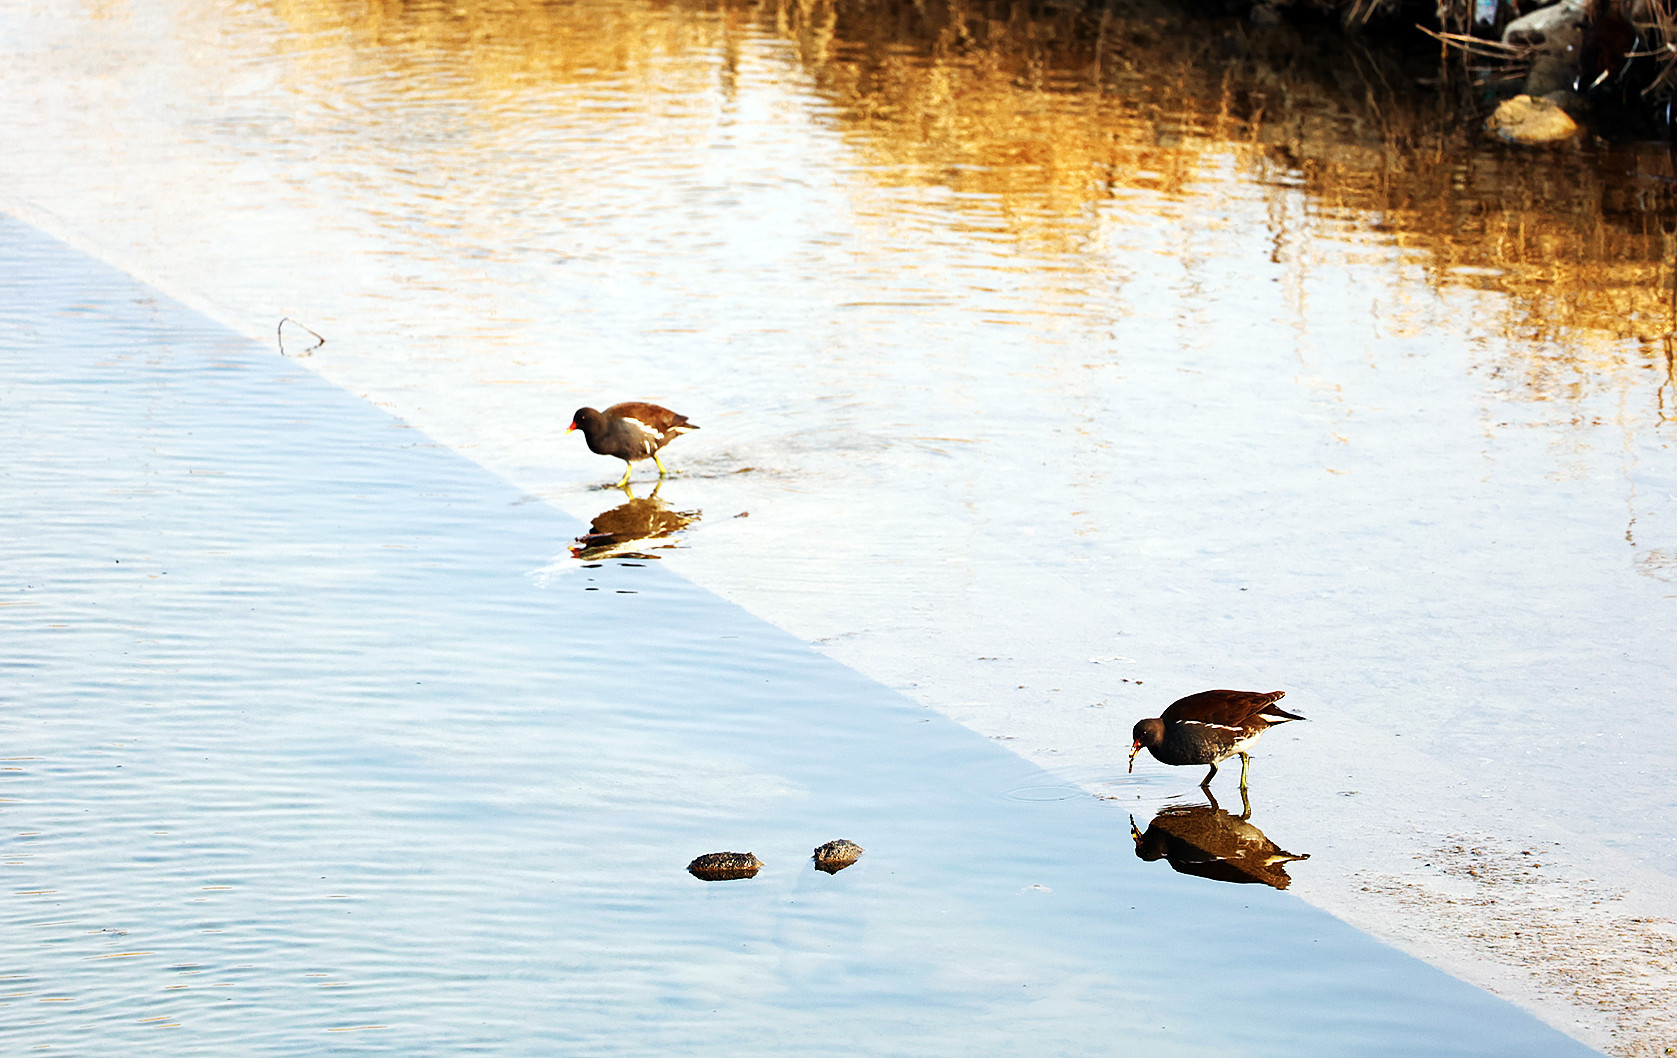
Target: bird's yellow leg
x,y
627,468
661,471
1205,783
1244,761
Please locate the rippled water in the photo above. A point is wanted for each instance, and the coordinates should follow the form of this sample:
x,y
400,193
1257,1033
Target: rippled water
x,y
1061,364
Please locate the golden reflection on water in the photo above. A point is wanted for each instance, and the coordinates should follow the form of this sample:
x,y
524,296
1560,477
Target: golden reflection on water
x,y
1209,841
507,45
640,519
1049,125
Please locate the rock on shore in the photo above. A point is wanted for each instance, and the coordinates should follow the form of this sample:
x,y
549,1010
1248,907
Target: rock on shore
x,y
1531,121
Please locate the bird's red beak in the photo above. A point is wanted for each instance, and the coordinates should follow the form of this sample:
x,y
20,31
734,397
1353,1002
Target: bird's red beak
x,y
571,427
1133,751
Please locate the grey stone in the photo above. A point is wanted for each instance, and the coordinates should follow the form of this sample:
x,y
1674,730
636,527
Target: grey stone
x,y
1555,34
1555,29
1551,73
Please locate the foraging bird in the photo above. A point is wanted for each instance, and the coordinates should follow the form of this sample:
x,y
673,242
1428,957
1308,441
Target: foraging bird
x,y
631,431
1208,727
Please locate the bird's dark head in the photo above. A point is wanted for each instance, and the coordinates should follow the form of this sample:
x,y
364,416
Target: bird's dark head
x,y
585,419
1147,733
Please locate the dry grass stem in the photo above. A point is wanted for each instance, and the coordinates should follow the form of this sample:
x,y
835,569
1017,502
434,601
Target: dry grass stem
x,y
279,333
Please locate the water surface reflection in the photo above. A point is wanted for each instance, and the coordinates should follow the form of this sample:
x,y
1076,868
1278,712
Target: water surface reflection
x,y
1041,127
612,532
1053,336
1209,841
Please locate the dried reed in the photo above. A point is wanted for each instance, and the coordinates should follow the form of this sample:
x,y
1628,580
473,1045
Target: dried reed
x,y
1656,26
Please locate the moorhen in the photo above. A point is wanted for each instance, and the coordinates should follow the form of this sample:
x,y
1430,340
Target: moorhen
x,y
631,431
1210,726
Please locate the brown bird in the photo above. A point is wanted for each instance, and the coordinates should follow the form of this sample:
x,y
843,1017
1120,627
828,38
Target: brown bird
x,y
1210,726
631,431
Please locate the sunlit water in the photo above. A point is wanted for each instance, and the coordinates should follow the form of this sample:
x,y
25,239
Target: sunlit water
x,y
1060,368
304,760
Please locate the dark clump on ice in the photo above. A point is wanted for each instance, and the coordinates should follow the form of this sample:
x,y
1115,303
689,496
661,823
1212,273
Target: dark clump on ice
x,y
725,866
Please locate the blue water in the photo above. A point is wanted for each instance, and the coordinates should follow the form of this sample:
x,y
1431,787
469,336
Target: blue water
x,y
303,757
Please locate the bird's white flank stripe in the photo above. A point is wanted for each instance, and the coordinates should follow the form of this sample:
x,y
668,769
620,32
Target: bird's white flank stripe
x,y
1207,723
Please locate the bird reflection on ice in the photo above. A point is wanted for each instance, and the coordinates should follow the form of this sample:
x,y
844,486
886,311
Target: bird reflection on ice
x,y
1211,842
613,532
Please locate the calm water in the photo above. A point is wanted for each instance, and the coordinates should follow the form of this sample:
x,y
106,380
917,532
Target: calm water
x,y
1061,365
303,759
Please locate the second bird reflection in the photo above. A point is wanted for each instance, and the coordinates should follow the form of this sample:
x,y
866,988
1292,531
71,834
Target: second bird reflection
x,y
613,533
1211,842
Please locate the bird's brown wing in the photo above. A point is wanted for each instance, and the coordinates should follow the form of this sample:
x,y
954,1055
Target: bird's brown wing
x,y
652,416
1227,708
